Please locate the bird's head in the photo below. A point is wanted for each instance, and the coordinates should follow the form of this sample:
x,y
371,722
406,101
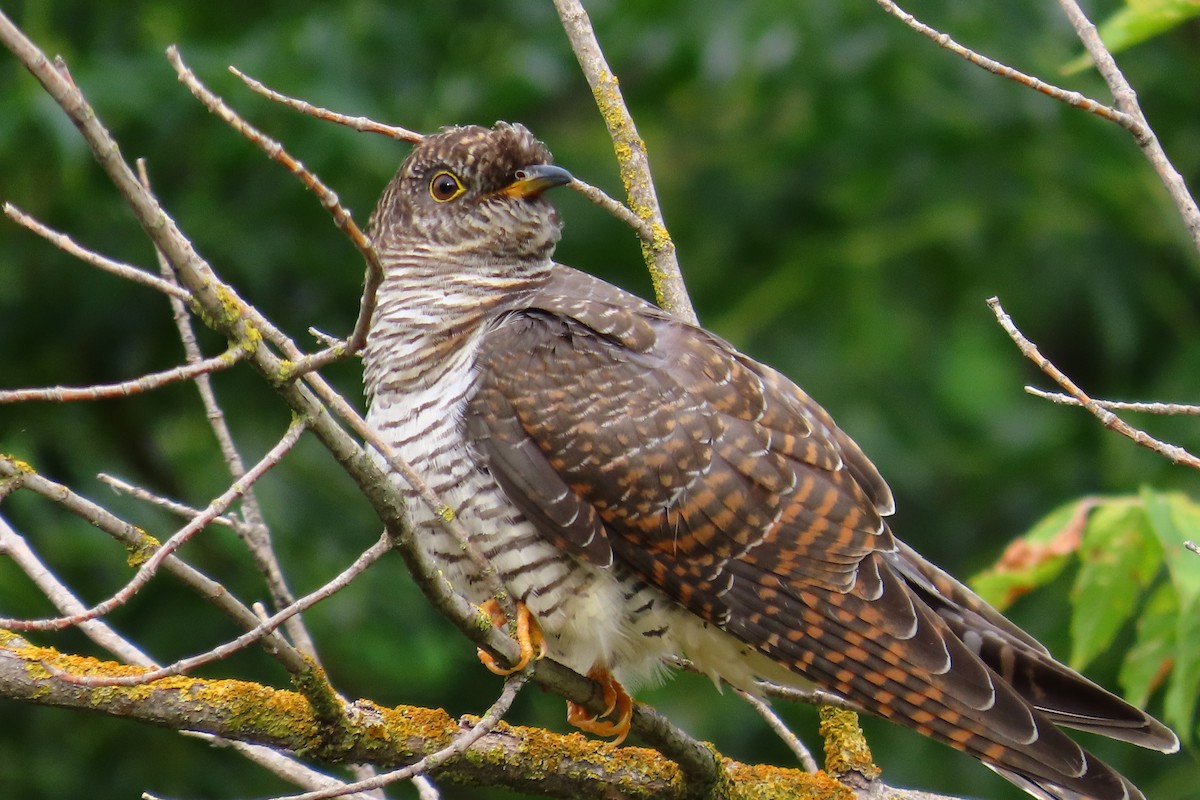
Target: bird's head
x,y
472,191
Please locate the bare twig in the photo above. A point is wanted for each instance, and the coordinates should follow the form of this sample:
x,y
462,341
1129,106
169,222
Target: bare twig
x,y
140,546
252,528
1126,100
361,124
1190,545
1071,98
174,506
15,547
658,250
150,567
269,625
644,229
329,201
1107,418
781,730
68,245
1167,409
146,383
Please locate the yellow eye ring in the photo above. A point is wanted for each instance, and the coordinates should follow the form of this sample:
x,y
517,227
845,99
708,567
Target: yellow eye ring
x,y
445,186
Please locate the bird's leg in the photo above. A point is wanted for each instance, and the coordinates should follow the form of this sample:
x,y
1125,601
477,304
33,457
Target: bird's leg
x,y
529,637
619,710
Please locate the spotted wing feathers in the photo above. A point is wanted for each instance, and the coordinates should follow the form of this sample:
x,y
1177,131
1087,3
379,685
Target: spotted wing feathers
x,y
625,435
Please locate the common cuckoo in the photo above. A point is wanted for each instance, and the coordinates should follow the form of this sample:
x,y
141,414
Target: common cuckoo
x,y
645,491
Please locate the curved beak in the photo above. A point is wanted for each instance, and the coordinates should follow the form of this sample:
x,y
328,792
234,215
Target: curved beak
x,y
531,181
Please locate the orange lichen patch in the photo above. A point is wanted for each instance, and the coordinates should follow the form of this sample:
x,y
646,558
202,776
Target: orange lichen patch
x,y
846,748
763,782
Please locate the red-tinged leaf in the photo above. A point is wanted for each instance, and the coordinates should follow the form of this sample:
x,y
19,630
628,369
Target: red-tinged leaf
x,y
1119,557
1148,663
1036,558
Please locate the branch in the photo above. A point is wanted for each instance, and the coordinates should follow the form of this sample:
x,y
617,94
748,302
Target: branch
x,y
1127,101
569,766
1107,418
146,383
658,250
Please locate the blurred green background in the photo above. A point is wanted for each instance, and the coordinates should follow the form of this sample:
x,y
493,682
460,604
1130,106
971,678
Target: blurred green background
x,y
844,196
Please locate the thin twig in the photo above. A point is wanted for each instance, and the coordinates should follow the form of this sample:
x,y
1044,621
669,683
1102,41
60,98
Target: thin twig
x,y
68,245
329,201
1107,418
173,506
15,547
459,745
634,163
140,545
644,229
781,730
1126,100
150,567
252,529
1168,409
1190,545
1071,98
146,383
361,124
269,625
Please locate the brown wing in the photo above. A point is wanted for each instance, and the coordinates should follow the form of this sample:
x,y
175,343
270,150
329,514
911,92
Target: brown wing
x,y
625,435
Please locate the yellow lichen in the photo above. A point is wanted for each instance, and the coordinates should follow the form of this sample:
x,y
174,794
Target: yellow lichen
x,y
846,748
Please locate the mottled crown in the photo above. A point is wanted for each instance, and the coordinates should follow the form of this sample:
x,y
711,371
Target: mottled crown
x,y
480,219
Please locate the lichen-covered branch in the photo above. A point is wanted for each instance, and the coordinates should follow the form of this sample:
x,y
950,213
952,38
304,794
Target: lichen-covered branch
x,y
521,759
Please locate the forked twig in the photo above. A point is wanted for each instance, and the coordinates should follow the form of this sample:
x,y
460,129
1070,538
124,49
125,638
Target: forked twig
x,y
1107,418
329,201
1071,98
1126,99
269,625
1168,409
150,567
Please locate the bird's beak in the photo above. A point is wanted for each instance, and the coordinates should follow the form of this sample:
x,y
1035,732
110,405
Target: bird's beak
x,y
531,181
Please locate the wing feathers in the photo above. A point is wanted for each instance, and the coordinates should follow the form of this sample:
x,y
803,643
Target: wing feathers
x,y
625,435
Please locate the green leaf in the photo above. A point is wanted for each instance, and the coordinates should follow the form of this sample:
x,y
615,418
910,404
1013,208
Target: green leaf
x,y
1138,21
1183,690
1119,557
1036,558
1175,518
1149,660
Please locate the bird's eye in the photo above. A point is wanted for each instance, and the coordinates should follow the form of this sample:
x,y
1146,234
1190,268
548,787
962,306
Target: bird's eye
x,y
445,186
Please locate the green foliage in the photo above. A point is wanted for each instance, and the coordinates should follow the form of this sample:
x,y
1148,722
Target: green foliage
x,y
1133,567
1138,21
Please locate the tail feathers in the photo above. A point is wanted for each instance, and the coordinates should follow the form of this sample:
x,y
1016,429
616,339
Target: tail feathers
x,y
1097,771
1063,695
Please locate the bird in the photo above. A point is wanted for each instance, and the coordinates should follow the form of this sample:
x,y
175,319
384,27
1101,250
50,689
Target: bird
x,y
646,492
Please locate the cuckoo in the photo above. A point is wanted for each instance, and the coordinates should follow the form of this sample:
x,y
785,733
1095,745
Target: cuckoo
x,y
645,491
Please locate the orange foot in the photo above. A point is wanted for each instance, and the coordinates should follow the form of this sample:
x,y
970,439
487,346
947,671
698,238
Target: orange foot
x,y
620,709
529,637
